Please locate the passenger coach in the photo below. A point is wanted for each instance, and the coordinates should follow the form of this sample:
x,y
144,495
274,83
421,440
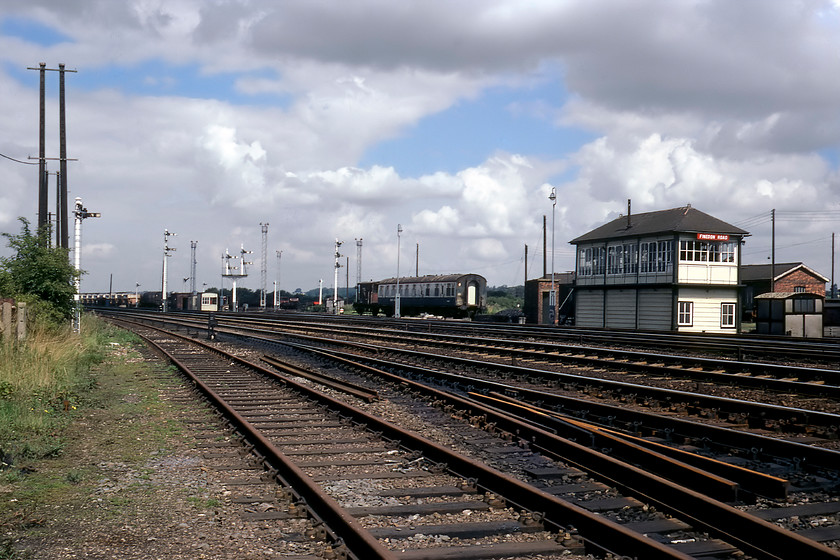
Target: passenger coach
x,y
448,295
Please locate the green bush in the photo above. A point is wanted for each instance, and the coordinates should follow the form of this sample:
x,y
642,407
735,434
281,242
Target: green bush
x,y
38,274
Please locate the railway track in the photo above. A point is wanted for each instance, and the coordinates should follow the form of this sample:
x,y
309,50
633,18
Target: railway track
x,y
740,347
495,417
656,395
782,378
306,445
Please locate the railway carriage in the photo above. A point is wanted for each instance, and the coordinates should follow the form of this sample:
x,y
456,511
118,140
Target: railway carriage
x,y
449,295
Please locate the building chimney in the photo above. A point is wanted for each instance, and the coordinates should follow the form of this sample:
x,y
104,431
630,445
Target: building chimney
x,y
628,214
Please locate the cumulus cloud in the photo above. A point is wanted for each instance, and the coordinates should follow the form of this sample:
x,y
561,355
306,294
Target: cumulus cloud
x,y
98,251
731,106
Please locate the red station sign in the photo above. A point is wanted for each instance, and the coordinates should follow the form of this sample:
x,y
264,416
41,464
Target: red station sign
x,y
713,236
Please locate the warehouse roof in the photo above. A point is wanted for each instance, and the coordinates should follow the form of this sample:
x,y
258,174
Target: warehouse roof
x,y
675,220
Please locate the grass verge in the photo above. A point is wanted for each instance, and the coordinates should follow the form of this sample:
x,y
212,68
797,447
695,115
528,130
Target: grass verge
x,y
73,409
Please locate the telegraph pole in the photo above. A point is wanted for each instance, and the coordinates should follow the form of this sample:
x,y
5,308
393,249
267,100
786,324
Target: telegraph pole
x,y
277,284
397,298
42,152
264,270
193,245
526,263
773,250
358,265
57,208
833,285
62,154
43,184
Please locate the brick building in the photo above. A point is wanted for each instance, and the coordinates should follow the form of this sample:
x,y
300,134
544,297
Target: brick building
x,y
537,304
787,277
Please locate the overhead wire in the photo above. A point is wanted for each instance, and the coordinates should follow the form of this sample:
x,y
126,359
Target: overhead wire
x,y
19,161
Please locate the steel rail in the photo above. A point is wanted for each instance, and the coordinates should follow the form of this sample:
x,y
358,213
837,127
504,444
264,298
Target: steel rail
x,y
594,529
776,377
366,395
738,345
755,536
803,380
807,456
343,525
734,477
759,412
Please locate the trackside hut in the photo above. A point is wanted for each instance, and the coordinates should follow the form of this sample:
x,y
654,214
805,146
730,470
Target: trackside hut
x,y
670,270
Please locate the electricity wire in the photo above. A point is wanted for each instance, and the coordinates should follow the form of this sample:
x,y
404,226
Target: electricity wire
x,y
19,161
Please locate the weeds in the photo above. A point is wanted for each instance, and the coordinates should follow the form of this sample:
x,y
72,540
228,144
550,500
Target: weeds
x,y
42,381
7,549
203,503
74,477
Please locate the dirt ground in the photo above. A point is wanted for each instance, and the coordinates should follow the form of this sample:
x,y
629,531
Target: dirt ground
x,y
132,483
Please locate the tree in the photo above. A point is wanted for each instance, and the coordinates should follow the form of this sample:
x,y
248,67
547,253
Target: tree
x,y
39,274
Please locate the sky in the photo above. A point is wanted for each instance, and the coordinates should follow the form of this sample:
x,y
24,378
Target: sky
x,y
450,120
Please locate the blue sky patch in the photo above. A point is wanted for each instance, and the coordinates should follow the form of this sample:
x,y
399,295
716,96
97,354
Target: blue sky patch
x,y
155,78
32,31
470,131
158,78
832,156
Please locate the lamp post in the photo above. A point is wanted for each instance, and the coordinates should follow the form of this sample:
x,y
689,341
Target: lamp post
x,y
81,213
552,297
397,299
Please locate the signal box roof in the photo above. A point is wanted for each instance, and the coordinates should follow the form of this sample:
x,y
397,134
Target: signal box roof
x,y
676,220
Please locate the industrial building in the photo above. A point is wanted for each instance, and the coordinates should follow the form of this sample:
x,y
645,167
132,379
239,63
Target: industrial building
x,y
792,277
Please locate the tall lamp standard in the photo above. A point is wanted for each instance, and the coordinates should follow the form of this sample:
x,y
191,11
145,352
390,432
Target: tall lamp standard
x,y
397,299
552,297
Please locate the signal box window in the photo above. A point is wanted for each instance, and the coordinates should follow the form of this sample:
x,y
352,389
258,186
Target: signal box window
x,y
685,314
727,315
